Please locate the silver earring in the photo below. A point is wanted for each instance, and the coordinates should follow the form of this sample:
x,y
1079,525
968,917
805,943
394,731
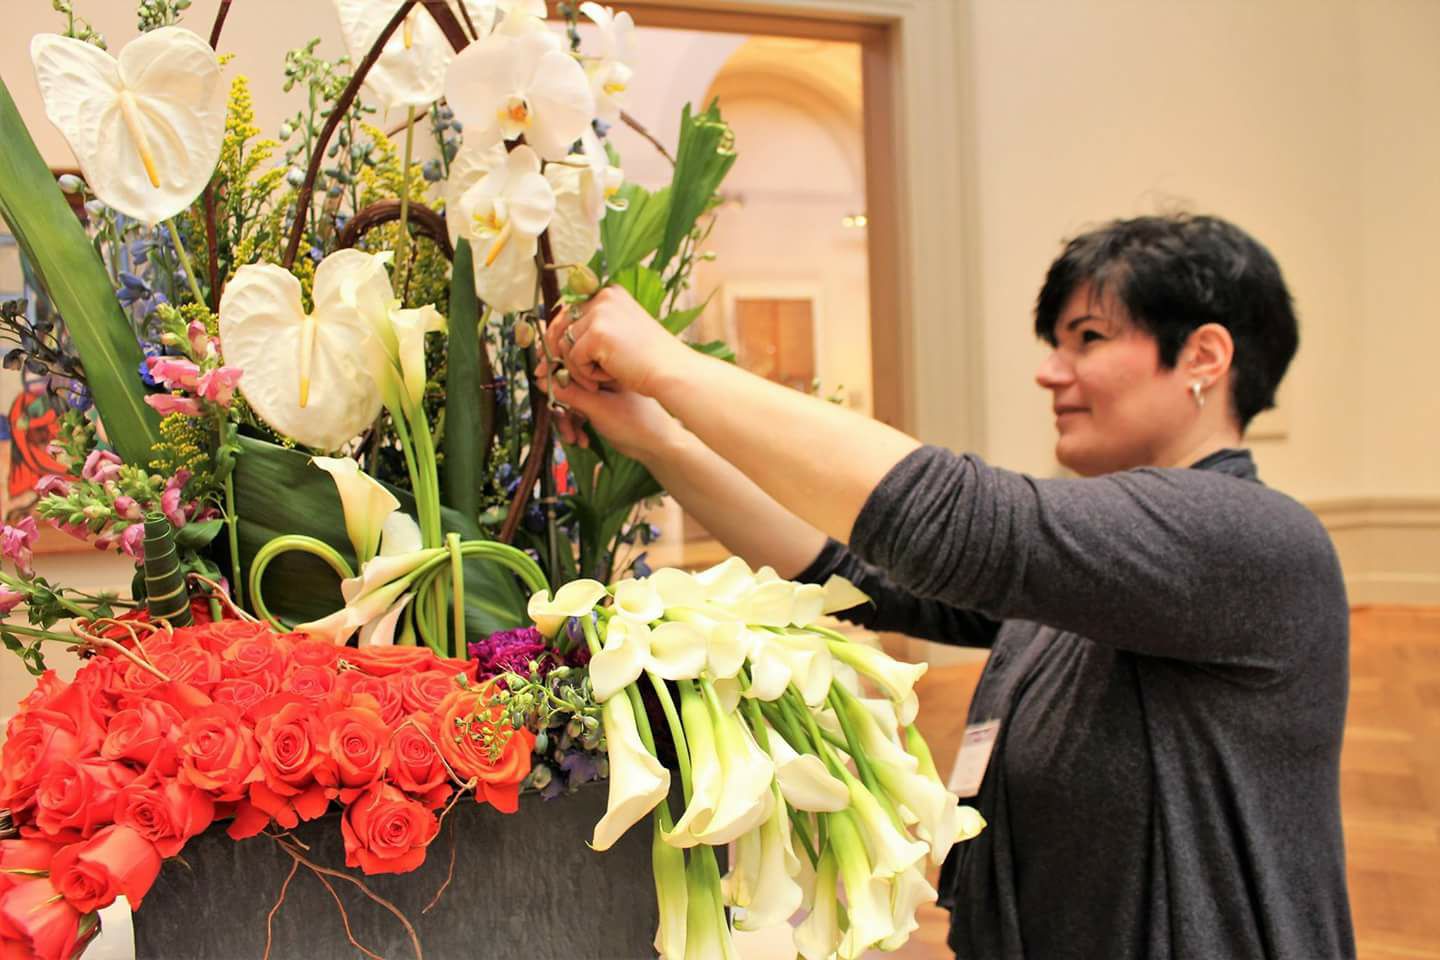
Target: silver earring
x,y
1196,392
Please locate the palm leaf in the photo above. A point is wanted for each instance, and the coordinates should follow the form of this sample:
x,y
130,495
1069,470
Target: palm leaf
x,y
703,158
74,278
631,233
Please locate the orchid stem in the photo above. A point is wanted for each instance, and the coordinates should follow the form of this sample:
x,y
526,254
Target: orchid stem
x,y
402,245
185,262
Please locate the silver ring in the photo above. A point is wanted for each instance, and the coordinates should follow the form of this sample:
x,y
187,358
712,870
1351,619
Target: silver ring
x,y
569,334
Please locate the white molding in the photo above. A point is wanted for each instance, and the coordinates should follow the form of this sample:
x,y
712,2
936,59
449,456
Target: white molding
x,y
1389,546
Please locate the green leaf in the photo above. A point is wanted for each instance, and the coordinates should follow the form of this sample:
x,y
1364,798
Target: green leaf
x,y
277,492
604,498
469,407
75,279
631,234
678,321
716,348
645,285
194,536
704,156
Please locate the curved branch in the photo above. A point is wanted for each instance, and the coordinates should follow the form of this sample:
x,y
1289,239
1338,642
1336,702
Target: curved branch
x,y
426,222
445,20
639,128
220,16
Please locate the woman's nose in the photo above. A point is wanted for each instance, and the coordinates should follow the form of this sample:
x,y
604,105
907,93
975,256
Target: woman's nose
x,y
1054,372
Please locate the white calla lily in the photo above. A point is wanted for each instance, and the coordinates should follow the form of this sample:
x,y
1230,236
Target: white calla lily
x,y
705,773
575,599
410,327
412,66
808,659
610,72
400,535
677,651
677,589
841,594
726,642
147,127
818,936
804,781
746,774
638,600
366,504
502,214
623,658
769,604
370,606
867,896
891,850
770,673
762,879
728,691
907,892
505,86
381,632
638,781
727,581
895,678
316,377
386,568
667,863
707,935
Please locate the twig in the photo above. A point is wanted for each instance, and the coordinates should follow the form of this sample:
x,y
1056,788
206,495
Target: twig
x,y
120,648
270,917
449,875
217,591
639,128
409,928
345,919
219,24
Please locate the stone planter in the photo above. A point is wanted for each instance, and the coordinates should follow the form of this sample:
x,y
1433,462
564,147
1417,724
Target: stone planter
x,y
525,886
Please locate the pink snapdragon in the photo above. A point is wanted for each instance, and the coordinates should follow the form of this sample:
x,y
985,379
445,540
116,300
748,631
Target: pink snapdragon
x,y
127,508
200,339
175,373
218,385
17,544
170,504
167,403
102,466
9,599
132,542
52,483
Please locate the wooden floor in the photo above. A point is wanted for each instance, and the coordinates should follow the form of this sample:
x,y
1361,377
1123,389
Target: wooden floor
x,y
1390,782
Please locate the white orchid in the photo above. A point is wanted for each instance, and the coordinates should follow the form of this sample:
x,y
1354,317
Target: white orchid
x,y
503,87
146,128
284,351
520,16
804,781
575,599
610,72
502,215
411,69
638,781
598,179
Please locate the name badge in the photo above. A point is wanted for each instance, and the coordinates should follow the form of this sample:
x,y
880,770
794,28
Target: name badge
x,y
973,757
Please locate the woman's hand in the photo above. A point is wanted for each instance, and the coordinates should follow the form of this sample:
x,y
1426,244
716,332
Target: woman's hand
x,y
612,340
634,424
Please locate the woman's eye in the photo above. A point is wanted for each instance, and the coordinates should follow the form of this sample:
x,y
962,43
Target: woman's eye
x,y
1091,336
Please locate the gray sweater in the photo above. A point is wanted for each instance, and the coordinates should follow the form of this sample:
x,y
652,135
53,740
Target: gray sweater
x,y
1170,667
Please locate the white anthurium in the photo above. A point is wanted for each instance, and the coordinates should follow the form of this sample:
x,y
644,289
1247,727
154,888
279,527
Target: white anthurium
x,y
317,377
367,505
638,600
762,878
575,599
667,863
891,850
907,892
504,86
677,651
147,127
410,327
411,69
804,781
818,935
841,594
705,772
622,659
610,70
746,774
638,781
895,678
677,589
867,896
503,215
381,632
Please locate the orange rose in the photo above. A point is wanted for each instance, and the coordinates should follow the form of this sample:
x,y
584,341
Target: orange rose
x,y
312,683
415,765
167,814
477,744
385,690
386,832
358,744
33,742
383,661
217,752
34,915
145,734
291,742
242,693
313,651
424,692
117,860
77,797
256,655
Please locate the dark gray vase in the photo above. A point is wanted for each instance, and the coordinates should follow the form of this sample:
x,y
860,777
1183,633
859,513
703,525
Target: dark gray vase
x,y
525,887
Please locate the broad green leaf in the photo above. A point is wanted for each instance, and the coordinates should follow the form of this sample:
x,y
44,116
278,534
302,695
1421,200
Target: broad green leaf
x,y
678,321
194,536
74,278
469,407
277,491
704,156
604,499
716,348
632,234
645,286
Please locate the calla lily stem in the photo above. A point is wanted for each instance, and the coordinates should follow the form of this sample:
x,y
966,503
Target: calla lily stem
x,y
677,731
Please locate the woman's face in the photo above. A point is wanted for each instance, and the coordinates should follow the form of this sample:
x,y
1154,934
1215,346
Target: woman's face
x,y
1115,406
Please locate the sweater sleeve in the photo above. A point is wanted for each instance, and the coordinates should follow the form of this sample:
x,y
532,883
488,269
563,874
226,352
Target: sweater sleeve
x,y
893,608
1187,564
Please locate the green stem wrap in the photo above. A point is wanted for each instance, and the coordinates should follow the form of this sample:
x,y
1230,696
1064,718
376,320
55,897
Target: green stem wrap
x,y
165,595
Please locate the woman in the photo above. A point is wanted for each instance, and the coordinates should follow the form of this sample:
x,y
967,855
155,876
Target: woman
x,y
1169,638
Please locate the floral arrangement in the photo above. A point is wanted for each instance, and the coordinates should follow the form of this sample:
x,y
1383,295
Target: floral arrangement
x,y
369,578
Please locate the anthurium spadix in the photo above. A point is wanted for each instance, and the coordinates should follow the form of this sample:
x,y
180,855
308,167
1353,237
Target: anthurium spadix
x,y
575,599
610,68
507,86
317,377
638,781
411,69
147,127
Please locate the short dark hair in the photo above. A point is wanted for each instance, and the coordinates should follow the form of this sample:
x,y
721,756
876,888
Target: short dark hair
x,y
1176,273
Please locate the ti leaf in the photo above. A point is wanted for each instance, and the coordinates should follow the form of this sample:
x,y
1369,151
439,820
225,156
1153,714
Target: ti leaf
x,y
469,407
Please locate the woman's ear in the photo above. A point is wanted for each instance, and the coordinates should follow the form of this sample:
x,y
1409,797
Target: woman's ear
x,y
1207,354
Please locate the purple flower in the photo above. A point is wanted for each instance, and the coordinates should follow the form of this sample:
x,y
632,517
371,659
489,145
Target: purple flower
x,y
553,789
101,466
579,767
511,650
